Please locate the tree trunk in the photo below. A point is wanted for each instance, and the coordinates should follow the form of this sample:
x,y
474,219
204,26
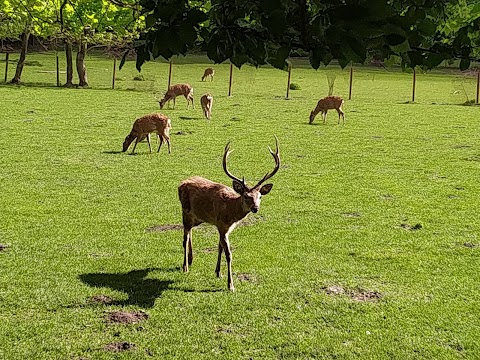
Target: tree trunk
x,y
81,69
21,60
69,57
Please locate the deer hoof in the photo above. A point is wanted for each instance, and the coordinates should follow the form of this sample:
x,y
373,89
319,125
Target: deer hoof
x,y
185,268
219,274
231,288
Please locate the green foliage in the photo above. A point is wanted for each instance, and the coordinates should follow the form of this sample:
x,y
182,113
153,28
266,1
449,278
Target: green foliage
x,y
267,31
295,86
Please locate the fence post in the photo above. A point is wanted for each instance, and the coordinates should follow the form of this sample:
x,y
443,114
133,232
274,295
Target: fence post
x,y
58,69
413,85
477,100
169,74
114,71
6,65
351,81
230,81
288,81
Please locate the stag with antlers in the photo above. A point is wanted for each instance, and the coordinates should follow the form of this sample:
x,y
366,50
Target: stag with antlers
x,y
205,201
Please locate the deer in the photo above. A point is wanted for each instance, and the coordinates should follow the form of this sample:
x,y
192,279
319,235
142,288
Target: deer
x,y
176,90
207,102
323,105
144,126
205,201
209,72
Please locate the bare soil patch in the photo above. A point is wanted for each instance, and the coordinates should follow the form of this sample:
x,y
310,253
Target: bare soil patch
x,y
119,346
365,295
470,245
3,247
166,227
101,299
357,294
247,277
126,317
415,227
352,215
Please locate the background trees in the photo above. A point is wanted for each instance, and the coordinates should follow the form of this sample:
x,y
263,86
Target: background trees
x,y
422,32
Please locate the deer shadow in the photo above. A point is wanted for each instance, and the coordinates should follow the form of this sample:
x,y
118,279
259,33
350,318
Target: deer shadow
x,y
141,291
112,152
189,118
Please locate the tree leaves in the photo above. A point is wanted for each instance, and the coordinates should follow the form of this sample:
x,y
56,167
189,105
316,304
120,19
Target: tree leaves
x,y
267,31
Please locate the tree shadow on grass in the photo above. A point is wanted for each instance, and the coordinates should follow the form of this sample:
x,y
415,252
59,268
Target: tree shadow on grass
x,y
141,291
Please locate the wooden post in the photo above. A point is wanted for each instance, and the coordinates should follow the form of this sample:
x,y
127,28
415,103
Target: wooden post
x,y
288,81
58,69
414,83
351,82
114,71
230,82
169,74
477,100
6,65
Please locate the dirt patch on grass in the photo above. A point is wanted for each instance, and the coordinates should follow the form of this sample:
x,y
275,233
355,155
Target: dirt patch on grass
x,y
3,247
415,227
470,245
365,295
100,299
184,132
210,250
119,346
334,290
357,294
352,215
387,197
126,317
247,277
167,227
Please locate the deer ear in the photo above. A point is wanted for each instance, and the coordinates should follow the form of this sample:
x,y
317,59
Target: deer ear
x,y
238,187
266,189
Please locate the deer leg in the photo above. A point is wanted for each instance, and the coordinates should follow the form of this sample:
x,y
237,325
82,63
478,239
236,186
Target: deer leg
x,y
148,140
324,115
219,260
228,256
168,143
135,145
187,245
160,139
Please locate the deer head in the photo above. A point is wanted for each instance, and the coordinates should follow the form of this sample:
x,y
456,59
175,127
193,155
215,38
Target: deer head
x,y
128,140
251,196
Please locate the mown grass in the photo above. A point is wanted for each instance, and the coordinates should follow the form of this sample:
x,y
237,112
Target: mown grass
x,y
386,204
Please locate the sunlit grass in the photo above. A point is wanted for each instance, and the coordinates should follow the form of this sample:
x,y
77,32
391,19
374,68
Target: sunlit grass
x,y
385,204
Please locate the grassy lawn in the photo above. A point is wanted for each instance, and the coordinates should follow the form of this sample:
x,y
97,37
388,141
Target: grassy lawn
x,y
367,246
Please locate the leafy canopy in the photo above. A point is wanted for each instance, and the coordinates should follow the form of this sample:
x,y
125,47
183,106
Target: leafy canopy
x,y
421,32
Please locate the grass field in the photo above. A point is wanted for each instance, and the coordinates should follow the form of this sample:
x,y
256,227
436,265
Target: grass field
x,y
367,247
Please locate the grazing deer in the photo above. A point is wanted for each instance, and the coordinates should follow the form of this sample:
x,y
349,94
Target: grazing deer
x,y
207,102
144,126
323,105
209,72
177,90
217,204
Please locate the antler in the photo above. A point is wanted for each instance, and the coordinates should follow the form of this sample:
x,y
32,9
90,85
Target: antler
x,y
225,156
276,156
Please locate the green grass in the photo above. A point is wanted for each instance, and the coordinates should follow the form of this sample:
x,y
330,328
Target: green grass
x,y
75,213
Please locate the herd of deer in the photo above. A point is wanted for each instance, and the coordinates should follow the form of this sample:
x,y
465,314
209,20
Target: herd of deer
x,y
205,201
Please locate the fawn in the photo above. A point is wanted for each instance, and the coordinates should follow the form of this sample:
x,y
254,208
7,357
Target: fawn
x,y
207,102
323,105
144,126
177,90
